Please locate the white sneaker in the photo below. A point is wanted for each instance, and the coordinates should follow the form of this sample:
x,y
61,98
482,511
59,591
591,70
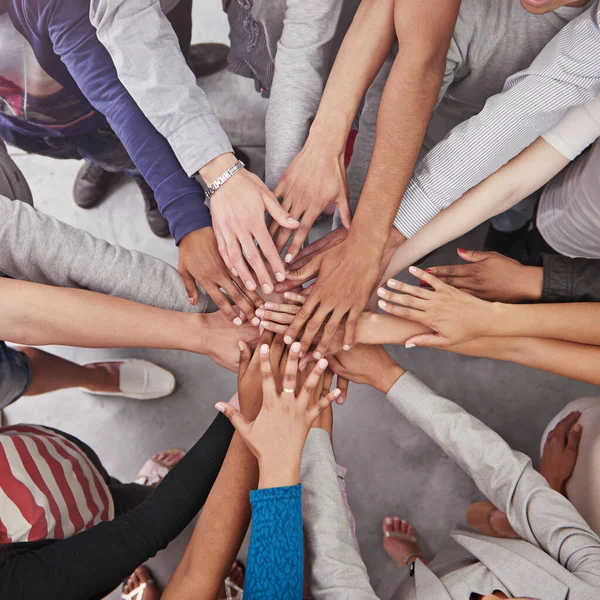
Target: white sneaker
x,y
140,380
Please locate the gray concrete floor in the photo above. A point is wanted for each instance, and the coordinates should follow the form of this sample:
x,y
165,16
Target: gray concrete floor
x,y
393,468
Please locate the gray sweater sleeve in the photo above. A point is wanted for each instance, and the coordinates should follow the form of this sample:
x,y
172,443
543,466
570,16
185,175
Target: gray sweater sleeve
x,y
506,477
39,248
335,568
146,54
303,60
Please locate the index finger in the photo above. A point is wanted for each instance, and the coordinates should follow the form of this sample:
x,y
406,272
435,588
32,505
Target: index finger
x,y
268,249
434,282
451,270
300,235
313,381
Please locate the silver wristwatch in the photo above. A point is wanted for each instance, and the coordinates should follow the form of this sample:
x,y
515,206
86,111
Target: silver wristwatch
x,y
209,190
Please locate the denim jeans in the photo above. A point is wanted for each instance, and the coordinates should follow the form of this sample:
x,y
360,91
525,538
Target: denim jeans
x,y
15,375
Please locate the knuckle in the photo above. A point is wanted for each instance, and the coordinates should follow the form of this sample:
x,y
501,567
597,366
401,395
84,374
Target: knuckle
x,y
330,328
303,314
351,322
312,326
449,281
451,270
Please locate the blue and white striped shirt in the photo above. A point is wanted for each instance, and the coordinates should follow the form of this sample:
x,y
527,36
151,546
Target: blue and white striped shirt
x,y
565,74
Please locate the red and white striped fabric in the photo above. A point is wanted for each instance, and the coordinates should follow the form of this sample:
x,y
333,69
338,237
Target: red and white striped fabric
x,y
49,489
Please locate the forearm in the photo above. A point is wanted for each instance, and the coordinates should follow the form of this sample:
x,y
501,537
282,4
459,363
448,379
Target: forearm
x,y
516,180
302,63
220,530
376,328
407,102
575,322
36,314
568,359
146,54
71,257
362,53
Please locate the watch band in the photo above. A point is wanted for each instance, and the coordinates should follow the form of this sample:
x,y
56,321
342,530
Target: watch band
x,y
219,181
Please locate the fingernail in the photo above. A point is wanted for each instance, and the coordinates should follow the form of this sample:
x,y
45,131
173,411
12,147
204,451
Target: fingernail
x,y
341,400
250,285
302,353
237,321
259,313
422,284
288,295
288,258
292,221
256,321
220,408
241,346
322,364
317,355
461,250
382,303
280,276
336,392
234,271
267,289
269,306
287,339
428,270
381,292
296,347
346,347
391,282
264,349
410,345
412,270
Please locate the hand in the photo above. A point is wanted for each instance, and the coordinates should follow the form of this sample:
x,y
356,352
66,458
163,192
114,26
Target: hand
x,y
453,315
333,238
277,435
276,317
371,365
314,179
348,273
238,210
200,261
215,336
560,452
492,276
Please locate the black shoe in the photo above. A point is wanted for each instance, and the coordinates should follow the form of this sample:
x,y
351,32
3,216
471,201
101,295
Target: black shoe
x,y
91,185
508,243
158,224
206,59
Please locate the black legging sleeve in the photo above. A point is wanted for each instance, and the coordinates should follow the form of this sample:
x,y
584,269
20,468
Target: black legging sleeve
x,y
93,562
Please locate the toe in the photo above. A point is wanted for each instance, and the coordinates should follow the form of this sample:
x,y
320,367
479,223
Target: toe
x,y
403,526
397,524
411,530
143,574
387,525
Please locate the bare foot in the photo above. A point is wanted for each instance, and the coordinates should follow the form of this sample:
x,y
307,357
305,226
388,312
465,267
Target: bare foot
x,y
236,578
399,548
140,576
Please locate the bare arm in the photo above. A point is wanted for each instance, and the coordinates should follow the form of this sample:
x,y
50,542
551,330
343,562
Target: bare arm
x,y
519,178
577,361
36,314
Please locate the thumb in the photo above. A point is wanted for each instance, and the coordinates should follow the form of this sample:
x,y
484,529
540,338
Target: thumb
x,y
190,286
305,272
245,356
473,255
574,438
344,210
427,340
238,420
278,213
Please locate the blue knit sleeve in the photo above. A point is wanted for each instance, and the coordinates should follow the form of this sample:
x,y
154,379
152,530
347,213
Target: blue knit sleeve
x,y
276,556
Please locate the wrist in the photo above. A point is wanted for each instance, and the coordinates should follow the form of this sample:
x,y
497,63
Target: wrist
x,y
216,167
389,375
329,134
197,333
532,281
557,484
278,472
